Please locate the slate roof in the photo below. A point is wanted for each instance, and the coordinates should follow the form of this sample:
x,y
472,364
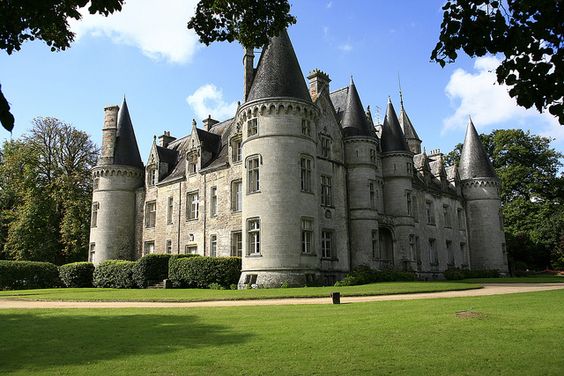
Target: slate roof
x,y
354,121
407,126
339,100
278,72
392,136
474,162
126,150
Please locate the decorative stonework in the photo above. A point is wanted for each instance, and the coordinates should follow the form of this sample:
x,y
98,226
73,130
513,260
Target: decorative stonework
x,y
115,170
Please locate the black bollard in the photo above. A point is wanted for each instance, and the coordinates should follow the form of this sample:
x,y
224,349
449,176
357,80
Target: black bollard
x,y
336,296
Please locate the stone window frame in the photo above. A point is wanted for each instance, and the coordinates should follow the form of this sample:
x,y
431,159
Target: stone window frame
x,y
192,161
462,246
252,127
168,247
326,143
430,211
306,173
252,164
372,196
307,235
372,155
236,195
148,247
236,148
326,190
213,245
451,259
188,249
192,206
152,175
306,127
213,201
253,236
170,211
96,184
375,244
91,251
409,202
327,243
460,218
150,214
94,215
236,244
446,216
433,252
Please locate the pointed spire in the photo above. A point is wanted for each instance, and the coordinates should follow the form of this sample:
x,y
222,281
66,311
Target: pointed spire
x,y
354,121
278,73
474,162
126,149
392,136
406,125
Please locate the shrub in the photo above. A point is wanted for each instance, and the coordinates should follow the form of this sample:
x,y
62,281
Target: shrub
x,y
201,272
115,273
216,286
150,269
77,274
363,275
28,275
457,274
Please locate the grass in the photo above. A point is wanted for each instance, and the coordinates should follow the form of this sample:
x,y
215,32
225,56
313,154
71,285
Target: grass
x,y
529,279
180,295
516,334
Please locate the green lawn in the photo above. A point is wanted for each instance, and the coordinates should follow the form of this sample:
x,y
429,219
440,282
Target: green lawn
x,y
516,334
99,294
530,279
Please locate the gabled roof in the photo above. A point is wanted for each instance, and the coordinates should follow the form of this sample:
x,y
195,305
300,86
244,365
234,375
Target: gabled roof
x,y
392,138
278,72
126,149
407,126
474,162
354,121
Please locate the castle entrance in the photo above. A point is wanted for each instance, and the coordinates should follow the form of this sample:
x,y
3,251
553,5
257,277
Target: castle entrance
x,y
386,248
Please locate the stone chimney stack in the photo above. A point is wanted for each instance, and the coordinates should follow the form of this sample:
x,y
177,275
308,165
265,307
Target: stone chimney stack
x,y
248,64
109,132
318,81
165,139
209,123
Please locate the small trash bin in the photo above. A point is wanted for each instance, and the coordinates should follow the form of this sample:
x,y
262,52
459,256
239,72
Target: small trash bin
x,y
336,296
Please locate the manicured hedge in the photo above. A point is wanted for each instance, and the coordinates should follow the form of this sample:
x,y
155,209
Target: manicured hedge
x,y
457,274
364,275
77,274
151,269
28,275
115,273
201,272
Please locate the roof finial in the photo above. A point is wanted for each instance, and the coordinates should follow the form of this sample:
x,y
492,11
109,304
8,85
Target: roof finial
x,y
400,92
352,81
389,99
193,122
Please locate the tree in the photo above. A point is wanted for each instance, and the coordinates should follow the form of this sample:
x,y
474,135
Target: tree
x,y
531,192
251,22
46,20
529,35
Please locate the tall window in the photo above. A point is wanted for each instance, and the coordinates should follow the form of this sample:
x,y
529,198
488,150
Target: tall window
x,y
326,244
306,164
307,235
326,191
96,183
450,253
236,195
213,245
95,208
150,214
168,247
433,254
148,248
430,212
253,174
252,127
414,207
192,205
372,189
463,253
460,217
213,201
306,127
152,176
409,200
236,150
325,146
375,245
253,236
92,252
373,155
237,243
169,210
446,215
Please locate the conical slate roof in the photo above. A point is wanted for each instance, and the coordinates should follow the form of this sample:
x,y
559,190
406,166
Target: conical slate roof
x,y
354,121
278,73
126,150
392,138
474,162
407,126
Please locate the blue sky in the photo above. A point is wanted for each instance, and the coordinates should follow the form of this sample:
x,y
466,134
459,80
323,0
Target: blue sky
x,y
146,53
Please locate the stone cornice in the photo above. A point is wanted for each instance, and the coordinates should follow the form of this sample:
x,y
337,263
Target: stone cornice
x,y
480,182
117,170
276,106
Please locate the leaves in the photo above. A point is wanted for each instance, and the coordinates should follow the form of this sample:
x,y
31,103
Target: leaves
x,y
6,117
528,34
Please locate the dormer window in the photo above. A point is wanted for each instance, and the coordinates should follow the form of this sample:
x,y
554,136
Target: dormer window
x,y
152,176
192,159
252,127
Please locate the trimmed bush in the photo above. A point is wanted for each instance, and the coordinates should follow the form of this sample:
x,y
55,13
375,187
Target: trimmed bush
x,y
16,275
77,274
201,272
457,274
151,269
115,273
363,275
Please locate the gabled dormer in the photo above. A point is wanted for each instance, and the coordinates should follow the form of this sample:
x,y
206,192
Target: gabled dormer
x,y
203,147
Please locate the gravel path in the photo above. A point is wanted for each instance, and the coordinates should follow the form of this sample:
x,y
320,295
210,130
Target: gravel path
x,y
489,289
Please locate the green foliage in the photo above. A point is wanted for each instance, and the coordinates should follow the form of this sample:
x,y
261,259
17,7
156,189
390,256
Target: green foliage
x,y
363,275
6,118
77,274
216,286
527,33
458,274
251,22
151,269
16,275
115,273
201,272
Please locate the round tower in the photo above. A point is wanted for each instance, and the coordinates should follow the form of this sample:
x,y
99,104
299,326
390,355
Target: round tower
x,y
480,188
117,176
280,203
397,169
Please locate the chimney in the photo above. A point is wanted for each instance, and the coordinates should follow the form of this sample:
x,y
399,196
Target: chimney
x,y
318,81
165,139
248,61
209,123
109,132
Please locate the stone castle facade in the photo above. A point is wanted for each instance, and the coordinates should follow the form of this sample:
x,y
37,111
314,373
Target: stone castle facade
x,y
300,183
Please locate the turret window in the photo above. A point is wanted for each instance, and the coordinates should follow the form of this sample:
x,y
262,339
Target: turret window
x,y
95,208
373,155
253,236
252,127
326,191
307,235
192,205
306,127
372,193
306,167
150,214
409,200
253,174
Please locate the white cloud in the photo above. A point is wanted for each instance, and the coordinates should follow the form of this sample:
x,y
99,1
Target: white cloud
x,y
208,100
479,95
346,47
158,28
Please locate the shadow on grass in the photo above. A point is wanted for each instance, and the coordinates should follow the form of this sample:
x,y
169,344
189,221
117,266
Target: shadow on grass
x,y
38,340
